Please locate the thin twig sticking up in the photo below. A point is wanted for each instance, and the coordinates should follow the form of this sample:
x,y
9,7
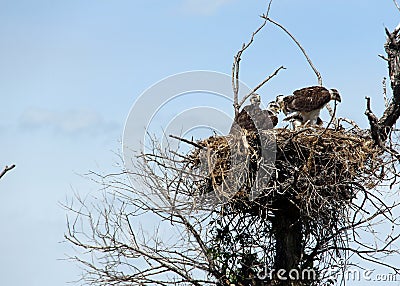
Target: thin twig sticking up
x,y
397,5
237,59
319,77
382,127
317,73
260,85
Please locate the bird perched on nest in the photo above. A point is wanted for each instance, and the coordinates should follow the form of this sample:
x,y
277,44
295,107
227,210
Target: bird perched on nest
x,y
305,105
253,118
273,110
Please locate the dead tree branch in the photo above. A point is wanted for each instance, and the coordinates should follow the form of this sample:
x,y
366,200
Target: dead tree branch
x,y
238,58
319,77
6,169
260,85
384,92
349,121
317,73
397,5
186,141
373,122
381,128
392,112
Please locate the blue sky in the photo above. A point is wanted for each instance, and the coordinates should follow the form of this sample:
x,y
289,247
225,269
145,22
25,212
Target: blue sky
x,y
70,71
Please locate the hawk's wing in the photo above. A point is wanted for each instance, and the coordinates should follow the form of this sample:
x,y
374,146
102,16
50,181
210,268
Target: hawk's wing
x,y
308,99
311,91
245,121
254,118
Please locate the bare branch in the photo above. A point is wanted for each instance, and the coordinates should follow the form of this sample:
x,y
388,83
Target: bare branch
x,y
331,120
187,141
317,73
218,275
349,121
384,92
383,58
397,5
373,122
392,112
330,110
6,169
260,85
237,59
300,47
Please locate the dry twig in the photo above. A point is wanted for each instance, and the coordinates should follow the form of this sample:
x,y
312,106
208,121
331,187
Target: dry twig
x,y
397,5
6,169
260,85
238,58
300,47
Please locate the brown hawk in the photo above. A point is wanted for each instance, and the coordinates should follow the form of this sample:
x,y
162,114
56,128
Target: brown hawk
x,y
252,118
305,105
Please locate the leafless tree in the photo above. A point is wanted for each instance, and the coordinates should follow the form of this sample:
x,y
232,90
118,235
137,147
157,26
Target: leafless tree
x,y
326,193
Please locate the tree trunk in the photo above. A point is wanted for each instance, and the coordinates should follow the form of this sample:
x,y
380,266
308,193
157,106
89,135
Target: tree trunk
x,y
288,238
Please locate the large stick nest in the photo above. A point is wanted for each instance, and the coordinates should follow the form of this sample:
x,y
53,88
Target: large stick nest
x,y
315,168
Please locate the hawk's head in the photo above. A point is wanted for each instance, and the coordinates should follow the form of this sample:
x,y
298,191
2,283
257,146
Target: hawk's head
x,y
280,101
255,99
335,95
274,107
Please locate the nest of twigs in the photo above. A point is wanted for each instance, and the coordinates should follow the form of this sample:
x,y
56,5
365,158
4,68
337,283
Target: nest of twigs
x,y
317,169
282,183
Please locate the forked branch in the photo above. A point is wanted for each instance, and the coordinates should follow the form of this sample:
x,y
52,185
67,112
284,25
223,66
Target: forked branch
x,y
380,129
237,59
6,169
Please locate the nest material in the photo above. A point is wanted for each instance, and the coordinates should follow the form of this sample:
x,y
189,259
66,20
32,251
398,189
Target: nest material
x,y
312,166
284,189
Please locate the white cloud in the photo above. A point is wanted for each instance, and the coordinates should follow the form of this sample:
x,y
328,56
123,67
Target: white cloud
x,y
204,7
70,122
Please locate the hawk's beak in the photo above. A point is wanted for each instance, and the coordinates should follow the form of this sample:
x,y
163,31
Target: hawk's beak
x,y
338,98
